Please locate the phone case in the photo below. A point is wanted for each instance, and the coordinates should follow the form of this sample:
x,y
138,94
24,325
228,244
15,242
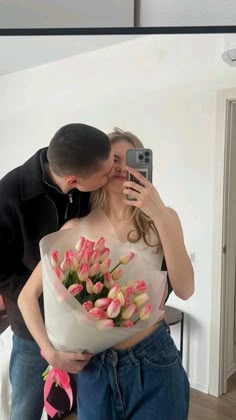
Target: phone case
x,y
140,160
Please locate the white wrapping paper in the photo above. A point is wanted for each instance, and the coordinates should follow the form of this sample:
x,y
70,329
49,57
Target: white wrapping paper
x,y
69,326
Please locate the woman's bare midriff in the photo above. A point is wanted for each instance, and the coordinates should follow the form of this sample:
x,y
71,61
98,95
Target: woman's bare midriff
x,y
145,333
136,338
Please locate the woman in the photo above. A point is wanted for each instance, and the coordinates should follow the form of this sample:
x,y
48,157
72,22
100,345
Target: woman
x,y
142,377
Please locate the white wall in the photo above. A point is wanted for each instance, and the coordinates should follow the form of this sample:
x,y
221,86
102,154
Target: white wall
x,y
163,88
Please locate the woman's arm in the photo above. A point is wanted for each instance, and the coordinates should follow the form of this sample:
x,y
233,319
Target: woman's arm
x,y
178,263
167,222
29,306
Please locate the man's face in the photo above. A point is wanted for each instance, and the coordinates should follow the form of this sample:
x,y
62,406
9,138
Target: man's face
x,y
98,179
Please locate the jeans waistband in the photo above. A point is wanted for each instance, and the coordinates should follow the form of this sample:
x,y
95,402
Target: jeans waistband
x,y
156,341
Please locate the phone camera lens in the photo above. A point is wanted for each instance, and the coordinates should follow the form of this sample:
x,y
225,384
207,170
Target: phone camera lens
x,y
146,160
141,156
147,153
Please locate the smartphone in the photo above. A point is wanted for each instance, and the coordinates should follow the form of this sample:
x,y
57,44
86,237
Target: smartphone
x,y
141,161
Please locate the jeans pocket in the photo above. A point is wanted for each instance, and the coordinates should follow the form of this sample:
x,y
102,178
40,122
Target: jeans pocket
x,y
165,358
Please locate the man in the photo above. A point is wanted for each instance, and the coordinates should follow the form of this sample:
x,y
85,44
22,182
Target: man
x,y
37,198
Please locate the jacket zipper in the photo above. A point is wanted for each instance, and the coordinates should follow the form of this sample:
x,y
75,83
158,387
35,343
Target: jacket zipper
x,y
67,207
54,205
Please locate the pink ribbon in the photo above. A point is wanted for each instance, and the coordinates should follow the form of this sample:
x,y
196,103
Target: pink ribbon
x,y
63,380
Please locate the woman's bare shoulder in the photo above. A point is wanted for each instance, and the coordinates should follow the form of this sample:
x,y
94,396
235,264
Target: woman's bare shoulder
x,y
71,223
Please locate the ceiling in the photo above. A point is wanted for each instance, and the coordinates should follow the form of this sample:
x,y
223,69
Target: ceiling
x,y
18,53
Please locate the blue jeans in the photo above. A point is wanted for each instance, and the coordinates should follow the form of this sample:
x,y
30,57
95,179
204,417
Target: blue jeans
x,y
26,368
144,382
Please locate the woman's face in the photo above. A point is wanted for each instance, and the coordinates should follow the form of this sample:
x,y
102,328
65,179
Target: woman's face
x,y
115,183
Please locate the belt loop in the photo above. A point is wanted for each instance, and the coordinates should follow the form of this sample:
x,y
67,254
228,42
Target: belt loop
x,y
114,358
103,357
132,357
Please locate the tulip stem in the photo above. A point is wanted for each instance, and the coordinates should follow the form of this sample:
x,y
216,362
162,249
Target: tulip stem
x,y
46,372
113,269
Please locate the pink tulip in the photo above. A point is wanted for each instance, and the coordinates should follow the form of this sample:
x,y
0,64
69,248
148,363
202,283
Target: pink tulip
x,y
88,244
99,245
108,281
90,253
97,288
104,254
66,264
117,273
113,292
95,257
129,311
98,313
128,292
83,272
75,289
79,255
89,286
121,298
145,311
104,267
59,273
94,269
139,286
113,309
86,256
69,253
79,244
127,323
74,261
55,258
102,303
103,324
125,259
88,305
141,299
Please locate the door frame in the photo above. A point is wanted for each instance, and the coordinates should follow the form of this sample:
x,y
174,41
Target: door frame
x,y
218,330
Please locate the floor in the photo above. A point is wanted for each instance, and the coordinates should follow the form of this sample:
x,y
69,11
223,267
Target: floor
x,y
205,407
231,394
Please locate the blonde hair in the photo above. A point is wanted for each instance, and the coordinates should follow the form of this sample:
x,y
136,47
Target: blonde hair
x,y
142,223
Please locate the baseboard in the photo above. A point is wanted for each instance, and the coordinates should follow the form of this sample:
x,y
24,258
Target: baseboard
x,y
198,387
231,369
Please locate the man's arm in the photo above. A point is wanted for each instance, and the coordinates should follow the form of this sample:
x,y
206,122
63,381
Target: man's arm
x,y
12,275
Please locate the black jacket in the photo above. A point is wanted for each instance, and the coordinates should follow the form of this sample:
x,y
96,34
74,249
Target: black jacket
x,y
30,208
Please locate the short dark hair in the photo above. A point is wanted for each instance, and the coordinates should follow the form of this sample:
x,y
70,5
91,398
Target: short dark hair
x,y
78,149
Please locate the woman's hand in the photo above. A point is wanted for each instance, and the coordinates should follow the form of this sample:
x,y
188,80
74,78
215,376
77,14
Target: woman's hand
x,y
169,227
72,362
146,196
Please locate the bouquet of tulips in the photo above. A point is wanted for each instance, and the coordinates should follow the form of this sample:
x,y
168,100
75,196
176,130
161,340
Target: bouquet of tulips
x,y
85,273
94,295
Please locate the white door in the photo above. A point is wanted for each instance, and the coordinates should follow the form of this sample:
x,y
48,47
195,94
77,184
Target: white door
x,y
222,361
229,229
